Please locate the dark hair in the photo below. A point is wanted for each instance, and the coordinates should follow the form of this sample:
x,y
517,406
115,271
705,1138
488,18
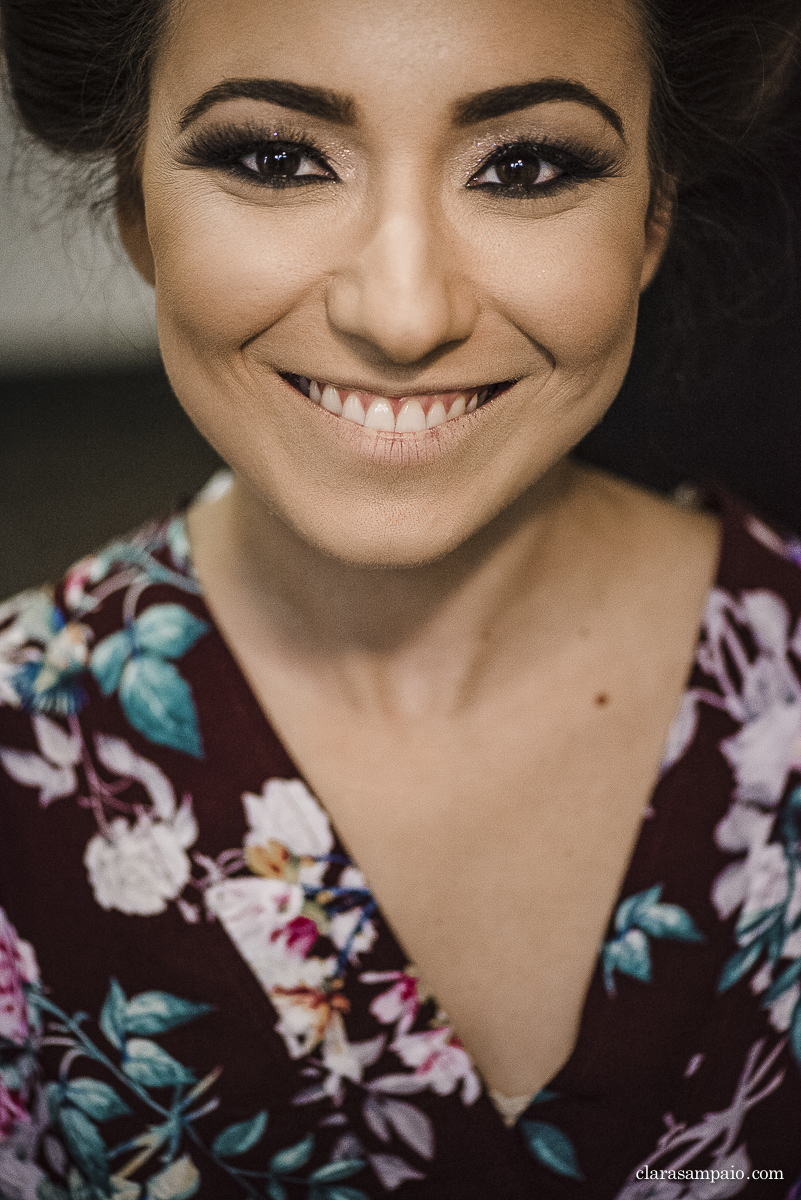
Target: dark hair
x,y
78,72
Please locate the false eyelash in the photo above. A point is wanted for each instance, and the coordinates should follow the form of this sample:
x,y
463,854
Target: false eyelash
x,y
578,163
224,146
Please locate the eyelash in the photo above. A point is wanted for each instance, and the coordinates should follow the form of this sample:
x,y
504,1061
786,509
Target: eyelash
x,y
576,163
225,148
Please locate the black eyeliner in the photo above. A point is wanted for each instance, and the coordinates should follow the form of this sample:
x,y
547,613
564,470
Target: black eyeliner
x,y
223,147
578,163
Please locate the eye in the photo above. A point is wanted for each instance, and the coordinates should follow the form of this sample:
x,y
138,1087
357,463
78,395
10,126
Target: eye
x,y
282,163
521,169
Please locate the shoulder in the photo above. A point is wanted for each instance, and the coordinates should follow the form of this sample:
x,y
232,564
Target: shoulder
x,y
111,628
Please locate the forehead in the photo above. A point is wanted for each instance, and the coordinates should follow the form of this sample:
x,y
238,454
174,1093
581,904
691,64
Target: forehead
x,y
415,53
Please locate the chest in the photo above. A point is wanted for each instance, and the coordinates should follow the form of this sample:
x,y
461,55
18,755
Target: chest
x,y
495,843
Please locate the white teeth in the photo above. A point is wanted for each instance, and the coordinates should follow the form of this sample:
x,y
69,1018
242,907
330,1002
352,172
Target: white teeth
x,y
411,418
456,409
436,414
473,403
380,415
331,400
314,391
352,409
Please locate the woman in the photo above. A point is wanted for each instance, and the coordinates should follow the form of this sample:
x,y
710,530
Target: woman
x,y
398,252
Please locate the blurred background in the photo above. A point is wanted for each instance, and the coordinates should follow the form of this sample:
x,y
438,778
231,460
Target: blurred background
x,y
92,441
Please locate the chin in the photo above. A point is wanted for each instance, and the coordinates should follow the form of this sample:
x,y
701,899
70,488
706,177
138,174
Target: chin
x,y
380,540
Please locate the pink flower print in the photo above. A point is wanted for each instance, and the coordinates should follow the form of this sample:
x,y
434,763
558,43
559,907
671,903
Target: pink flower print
x,y
400,1003
298,936
17,966
75,595
440,1063
11,1111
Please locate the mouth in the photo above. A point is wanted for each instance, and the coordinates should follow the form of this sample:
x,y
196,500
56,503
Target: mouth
x,y
400,414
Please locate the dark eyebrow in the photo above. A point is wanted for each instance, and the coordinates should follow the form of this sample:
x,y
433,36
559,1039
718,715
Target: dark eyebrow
x,y
316,101
499,101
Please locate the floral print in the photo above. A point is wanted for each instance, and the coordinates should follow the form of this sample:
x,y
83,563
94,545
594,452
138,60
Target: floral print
x,y
132,1065
134,760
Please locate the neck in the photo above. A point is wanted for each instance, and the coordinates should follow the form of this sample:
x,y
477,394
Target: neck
x,y
413,636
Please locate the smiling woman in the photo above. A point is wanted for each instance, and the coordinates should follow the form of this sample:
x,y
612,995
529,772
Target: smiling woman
x,y
410,704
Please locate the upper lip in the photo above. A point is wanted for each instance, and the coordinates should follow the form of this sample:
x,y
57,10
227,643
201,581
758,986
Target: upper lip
x,y
397,393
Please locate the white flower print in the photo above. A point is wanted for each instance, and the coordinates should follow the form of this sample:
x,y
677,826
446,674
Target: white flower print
x,y
139,868
765,699
24,618
252,910
118,757
716,1135
52,771
343,1059
286,812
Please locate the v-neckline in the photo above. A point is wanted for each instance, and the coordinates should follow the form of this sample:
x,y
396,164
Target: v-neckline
x,y
265,734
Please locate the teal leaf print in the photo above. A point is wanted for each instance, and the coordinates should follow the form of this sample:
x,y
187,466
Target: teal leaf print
x,y
79,1189
630,908
669,921
159,704
785,981
277,1191
333,1172
552,1148
286,1161
637,918
757,923
96,1099
168,630
740,962
112,1018
109,658
86,1146
151,1013
238,1139
155,698
344,1193
179,1181
630,954
45,1190
147,1064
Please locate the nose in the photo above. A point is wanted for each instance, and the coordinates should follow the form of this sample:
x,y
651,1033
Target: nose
x,y
401,291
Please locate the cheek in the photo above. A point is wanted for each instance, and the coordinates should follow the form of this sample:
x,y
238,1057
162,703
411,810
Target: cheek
x,y
226,273
571,285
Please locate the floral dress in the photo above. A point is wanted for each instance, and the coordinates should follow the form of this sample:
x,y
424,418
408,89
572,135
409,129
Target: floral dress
x,y
200,997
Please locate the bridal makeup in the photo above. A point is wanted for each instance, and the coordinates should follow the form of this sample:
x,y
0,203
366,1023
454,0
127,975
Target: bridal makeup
x,y
397,250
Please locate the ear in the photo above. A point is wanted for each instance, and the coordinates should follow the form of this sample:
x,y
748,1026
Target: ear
x,y
130,207
658,228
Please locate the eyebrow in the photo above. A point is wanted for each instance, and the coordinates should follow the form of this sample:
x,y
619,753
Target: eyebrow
x,y
316,101
341,109
497,102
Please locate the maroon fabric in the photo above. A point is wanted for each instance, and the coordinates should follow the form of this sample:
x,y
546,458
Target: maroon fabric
x,y
661,1048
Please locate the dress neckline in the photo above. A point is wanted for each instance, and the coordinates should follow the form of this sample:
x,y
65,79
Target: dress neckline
x,y
508,1110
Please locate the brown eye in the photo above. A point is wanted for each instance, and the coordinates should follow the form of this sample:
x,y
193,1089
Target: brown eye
x,y
518,171
281,163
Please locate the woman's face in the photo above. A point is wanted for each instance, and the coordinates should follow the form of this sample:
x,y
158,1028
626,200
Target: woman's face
x,y
428,210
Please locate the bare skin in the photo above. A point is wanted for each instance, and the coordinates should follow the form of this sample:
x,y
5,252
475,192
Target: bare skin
x,y
471,647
